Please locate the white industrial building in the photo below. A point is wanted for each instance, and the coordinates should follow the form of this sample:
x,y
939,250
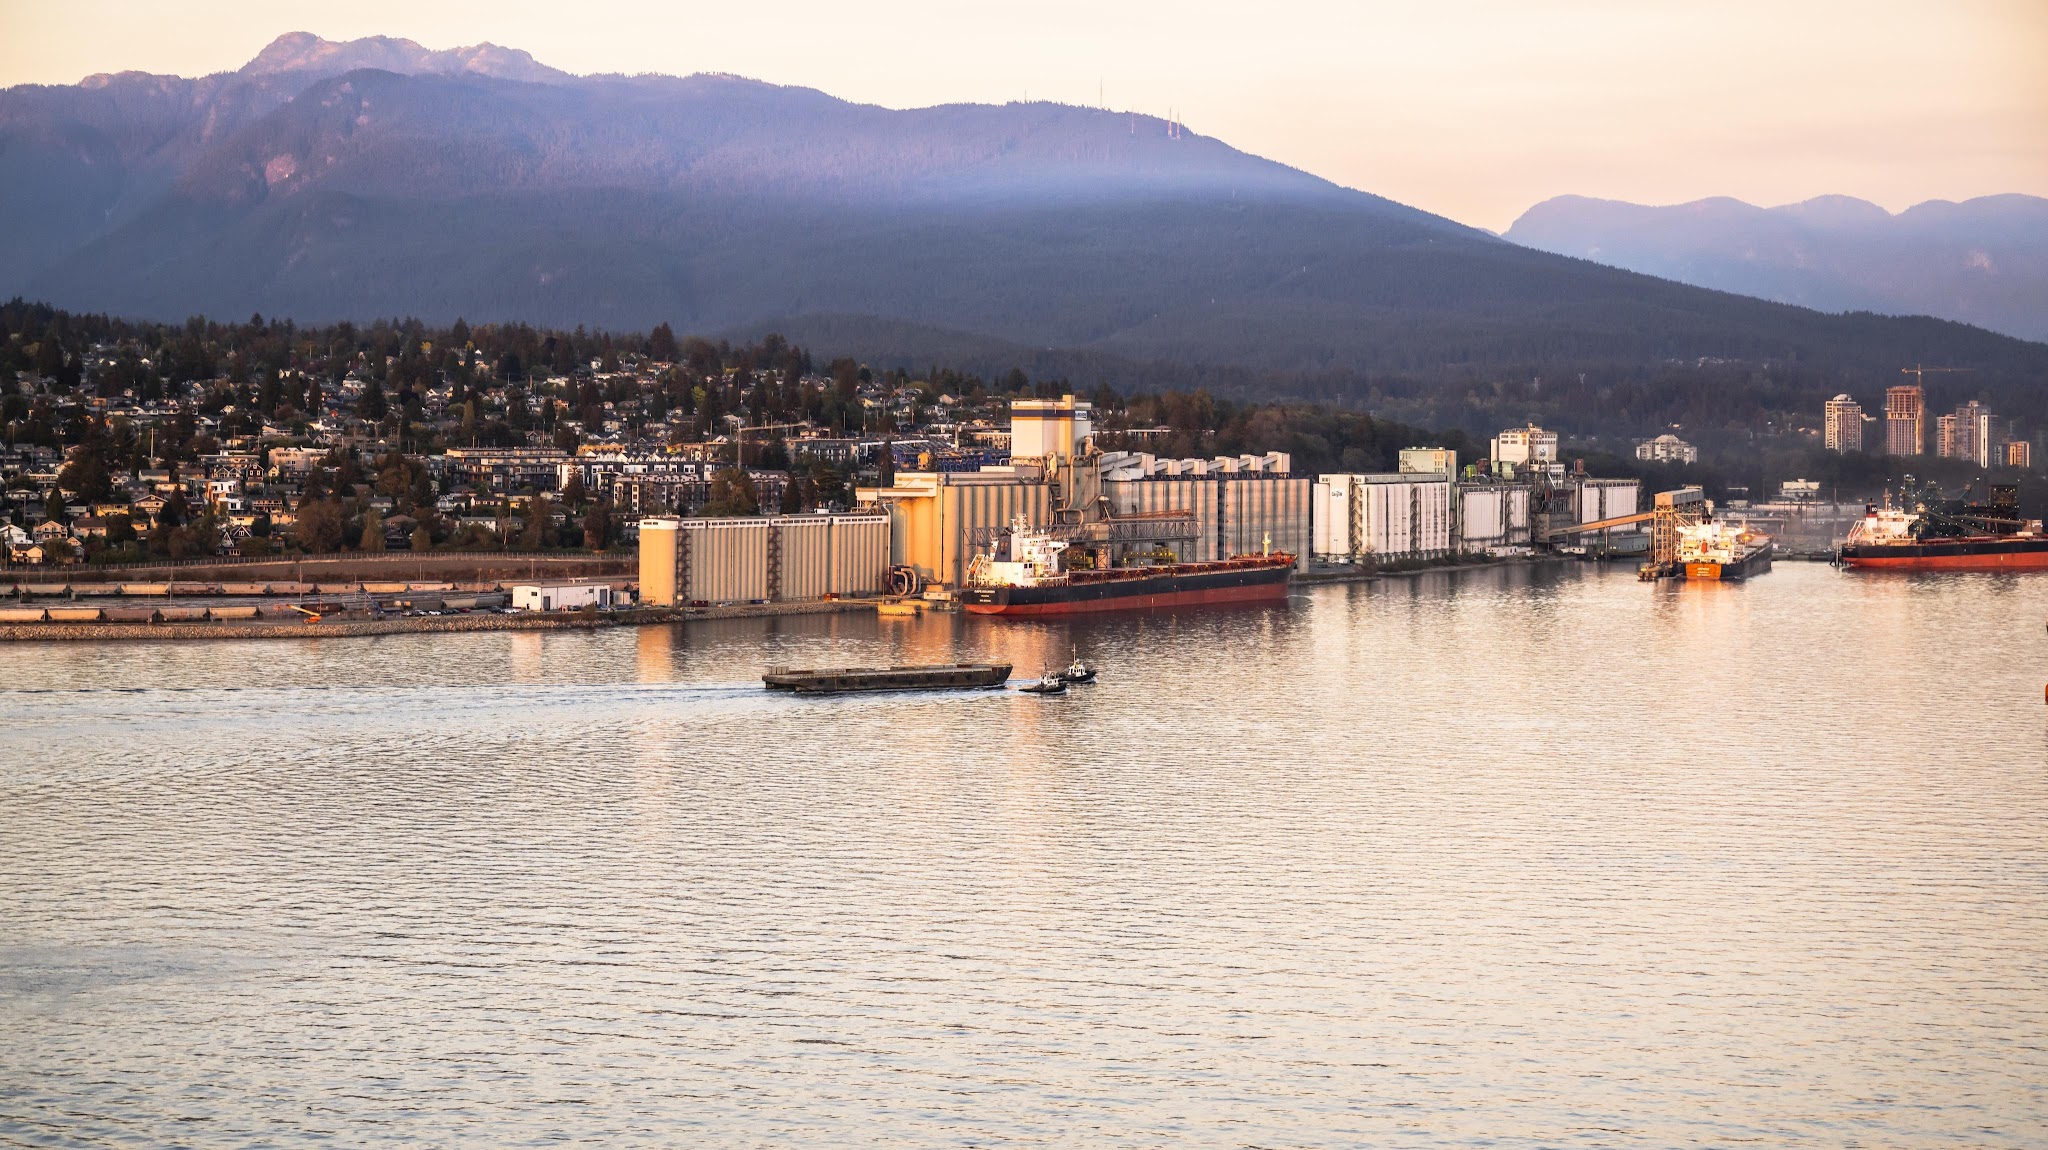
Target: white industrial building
x,y
1492,515
1519,450
560,596
1377,518
1429,461
1607,499
1424,515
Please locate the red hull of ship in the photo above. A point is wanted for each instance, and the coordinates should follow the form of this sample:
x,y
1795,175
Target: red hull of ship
x,y
1257,593
2007,561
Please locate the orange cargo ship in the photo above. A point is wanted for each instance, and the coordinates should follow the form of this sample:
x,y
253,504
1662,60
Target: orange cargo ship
x,y
1723,552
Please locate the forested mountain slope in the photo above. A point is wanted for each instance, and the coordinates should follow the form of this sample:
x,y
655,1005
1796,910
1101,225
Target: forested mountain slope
x,y
1982,261
329,181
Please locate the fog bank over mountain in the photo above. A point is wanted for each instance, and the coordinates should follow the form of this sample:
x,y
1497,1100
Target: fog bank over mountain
x,y
1983,261
376,178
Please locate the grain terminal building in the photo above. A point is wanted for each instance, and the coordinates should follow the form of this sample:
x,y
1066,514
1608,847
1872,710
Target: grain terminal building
x,y
769,560
1426,511
928,526
1198,509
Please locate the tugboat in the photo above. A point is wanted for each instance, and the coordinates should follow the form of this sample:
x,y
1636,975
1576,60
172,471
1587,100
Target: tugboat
x,y
1048,684
1078,672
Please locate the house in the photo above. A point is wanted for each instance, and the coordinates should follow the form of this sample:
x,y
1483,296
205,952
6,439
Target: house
x,y
294,462
240,465
51,529
1667,448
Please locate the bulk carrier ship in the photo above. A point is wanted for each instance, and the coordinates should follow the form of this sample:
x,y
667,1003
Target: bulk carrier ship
x,y
1035,579
1961,535
1722,551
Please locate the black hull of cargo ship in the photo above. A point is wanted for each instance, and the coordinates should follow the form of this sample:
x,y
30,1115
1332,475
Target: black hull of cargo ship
x,y
1184,585
1979,553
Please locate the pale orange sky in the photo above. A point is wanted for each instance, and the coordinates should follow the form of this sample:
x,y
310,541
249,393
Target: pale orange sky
x,y
1472,108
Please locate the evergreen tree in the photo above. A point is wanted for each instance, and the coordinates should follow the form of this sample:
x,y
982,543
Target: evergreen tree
x,y
661,344
534,535
597,525
732,494
317,527
372,405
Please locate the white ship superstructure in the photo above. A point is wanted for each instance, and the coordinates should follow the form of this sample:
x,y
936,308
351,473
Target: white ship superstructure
x,y
1717,550
1883,526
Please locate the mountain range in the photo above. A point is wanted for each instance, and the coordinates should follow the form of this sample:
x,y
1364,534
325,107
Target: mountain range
x,y
1983,261
376,178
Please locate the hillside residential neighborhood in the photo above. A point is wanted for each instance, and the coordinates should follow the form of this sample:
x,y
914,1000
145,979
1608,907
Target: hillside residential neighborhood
x,y
125,443
115,455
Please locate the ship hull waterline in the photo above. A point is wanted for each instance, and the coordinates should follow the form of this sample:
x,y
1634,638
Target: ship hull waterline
x,y
1251,585
1989,555
1748,565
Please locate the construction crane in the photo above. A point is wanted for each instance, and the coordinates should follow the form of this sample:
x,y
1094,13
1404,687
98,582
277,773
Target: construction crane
x,y
739,436
1917,372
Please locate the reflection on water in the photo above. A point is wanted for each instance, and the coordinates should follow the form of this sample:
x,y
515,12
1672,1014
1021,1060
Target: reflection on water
x,y
1516,857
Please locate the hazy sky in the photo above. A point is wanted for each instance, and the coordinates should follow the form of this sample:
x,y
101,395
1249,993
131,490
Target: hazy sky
x,y
1472,108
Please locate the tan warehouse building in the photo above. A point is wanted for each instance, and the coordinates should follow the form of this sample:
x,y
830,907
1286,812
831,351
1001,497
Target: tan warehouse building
x,y
780,559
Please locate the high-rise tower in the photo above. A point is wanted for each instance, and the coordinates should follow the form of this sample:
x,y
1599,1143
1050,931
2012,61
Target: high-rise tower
x,y
1905,420
1844,427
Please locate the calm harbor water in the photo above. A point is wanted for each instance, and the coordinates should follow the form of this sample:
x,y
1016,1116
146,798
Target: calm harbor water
x,y
1521,857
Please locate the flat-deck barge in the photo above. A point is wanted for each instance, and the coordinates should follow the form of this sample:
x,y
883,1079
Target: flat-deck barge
x,y
943,677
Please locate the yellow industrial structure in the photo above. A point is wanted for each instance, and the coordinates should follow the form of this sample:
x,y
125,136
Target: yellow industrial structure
x,y
684,561
938,519
1199,509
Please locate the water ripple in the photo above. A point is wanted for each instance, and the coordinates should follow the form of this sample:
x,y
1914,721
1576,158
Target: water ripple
x,y
1499,858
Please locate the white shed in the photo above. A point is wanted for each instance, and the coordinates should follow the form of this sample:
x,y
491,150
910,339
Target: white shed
x,y
560,596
